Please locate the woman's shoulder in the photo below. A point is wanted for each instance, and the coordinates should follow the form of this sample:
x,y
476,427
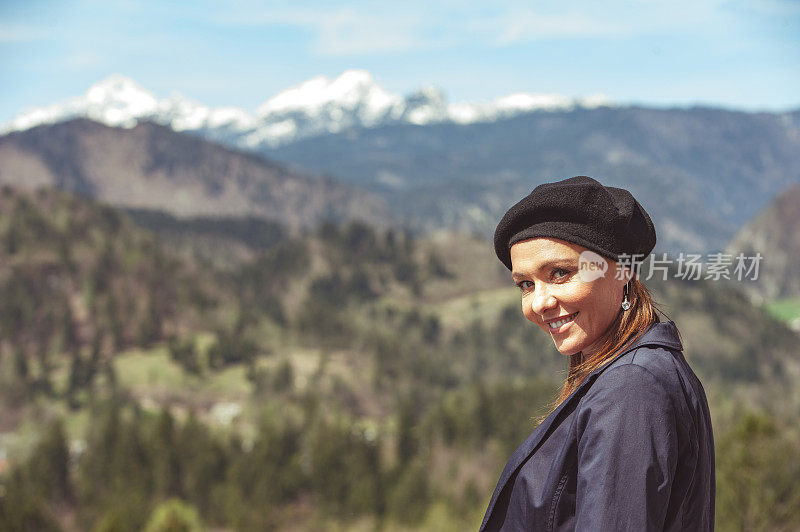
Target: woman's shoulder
x,y
637,389
643,369
657,358
646,375
664,364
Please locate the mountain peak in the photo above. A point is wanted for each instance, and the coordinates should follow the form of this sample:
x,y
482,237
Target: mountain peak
x,y
319,105
118,100
354,77
116,86
426,105
349,90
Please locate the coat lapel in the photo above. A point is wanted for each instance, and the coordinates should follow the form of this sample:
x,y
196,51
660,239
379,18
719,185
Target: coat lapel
x,y
658,334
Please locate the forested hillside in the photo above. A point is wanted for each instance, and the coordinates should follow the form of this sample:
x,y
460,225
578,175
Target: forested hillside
x,y
153,167
774,234
347,376
701,172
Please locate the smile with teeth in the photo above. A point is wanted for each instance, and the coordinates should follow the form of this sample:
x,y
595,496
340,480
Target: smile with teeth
x,y
558,323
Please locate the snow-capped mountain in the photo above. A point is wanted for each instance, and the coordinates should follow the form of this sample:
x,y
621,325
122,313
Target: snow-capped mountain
x,y
317,106
320,98
121,102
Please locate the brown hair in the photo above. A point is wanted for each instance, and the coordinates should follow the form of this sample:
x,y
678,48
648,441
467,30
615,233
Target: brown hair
x,y
626,327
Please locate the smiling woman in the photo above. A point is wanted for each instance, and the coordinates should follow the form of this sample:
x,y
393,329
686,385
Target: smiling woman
x,y
628,444
555,298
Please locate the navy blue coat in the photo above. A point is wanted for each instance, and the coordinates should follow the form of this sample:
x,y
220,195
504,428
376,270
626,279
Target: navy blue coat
x,y
630,449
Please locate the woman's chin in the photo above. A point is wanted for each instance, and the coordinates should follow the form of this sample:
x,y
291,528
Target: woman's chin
x,y
566,349
573,346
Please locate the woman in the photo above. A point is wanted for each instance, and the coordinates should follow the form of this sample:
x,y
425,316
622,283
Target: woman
x,y
628,445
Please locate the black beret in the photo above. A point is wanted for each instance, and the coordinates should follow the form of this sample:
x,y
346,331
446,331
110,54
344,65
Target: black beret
x,y
606,220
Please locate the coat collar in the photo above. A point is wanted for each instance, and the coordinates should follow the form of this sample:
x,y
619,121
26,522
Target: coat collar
x,y
658,334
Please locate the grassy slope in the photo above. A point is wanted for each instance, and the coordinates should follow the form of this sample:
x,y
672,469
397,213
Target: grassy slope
x,y
743,356
785,309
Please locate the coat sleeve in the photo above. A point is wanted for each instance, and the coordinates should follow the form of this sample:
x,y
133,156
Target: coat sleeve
x,y
627,452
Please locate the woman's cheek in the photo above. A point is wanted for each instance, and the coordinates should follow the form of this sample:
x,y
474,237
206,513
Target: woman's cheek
x,y
526,308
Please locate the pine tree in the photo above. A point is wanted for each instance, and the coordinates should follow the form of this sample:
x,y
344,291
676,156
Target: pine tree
x,y
48,468
166,462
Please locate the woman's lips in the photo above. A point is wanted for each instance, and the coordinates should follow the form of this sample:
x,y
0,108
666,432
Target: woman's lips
x,y
561,324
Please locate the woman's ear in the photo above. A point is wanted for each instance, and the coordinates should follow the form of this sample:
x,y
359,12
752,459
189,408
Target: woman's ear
x,y
628,274
623,274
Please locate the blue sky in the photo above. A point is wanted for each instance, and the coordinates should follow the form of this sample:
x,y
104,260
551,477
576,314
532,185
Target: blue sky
x,y
738,54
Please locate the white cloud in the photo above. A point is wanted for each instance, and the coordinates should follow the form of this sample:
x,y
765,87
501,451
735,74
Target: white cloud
x,y
583,18
527,25
20,33
776,7
349,32
423,25
346,30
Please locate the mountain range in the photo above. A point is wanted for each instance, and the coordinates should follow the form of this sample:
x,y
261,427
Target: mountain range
x,y
701,172
152,167
318,106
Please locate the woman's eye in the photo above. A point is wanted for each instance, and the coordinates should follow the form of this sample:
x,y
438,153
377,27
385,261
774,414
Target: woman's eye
x,y
560,273
525,286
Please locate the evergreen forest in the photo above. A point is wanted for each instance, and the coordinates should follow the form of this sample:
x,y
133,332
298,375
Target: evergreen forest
x,y
162,374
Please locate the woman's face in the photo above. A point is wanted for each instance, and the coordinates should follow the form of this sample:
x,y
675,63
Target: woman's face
x,y
574,310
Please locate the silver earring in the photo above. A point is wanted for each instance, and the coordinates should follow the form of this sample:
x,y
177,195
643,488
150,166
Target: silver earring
x,y
625,303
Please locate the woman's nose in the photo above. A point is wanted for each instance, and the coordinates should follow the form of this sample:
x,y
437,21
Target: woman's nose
x,y
542,300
